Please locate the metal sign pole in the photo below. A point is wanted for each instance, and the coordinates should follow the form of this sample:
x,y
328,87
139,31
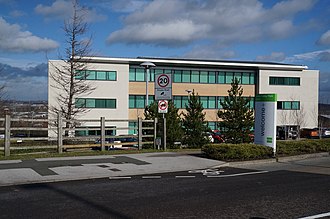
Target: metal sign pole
x,y
164,134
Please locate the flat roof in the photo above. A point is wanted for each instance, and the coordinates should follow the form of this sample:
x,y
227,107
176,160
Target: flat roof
x,y
195,62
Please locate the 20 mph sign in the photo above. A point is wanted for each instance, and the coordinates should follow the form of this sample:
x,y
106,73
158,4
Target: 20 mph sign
x,y
163,87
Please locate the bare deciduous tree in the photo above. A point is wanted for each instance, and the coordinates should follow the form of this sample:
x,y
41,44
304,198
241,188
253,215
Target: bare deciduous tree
x,y
298,116
70,79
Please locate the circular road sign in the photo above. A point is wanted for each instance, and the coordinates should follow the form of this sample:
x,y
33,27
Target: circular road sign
x,y
163,80
162,106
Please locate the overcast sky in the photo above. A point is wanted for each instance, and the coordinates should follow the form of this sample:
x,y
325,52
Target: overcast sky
x,y
292,31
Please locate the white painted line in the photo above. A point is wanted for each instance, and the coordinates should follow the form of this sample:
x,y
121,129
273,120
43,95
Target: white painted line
x,y
316,216
120,177
239,174
151,177
185,176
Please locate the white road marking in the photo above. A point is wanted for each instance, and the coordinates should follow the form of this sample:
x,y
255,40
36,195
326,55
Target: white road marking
x,y
239,174
151,177
316,216
185,176
120,177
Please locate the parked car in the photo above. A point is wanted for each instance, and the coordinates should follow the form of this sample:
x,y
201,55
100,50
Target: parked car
x,y
326,133
218,136
309,133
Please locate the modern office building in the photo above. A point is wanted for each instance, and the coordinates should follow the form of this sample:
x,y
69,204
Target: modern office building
x,y
121,87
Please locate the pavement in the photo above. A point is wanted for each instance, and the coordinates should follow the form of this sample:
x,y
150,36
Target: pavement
x,y
18,172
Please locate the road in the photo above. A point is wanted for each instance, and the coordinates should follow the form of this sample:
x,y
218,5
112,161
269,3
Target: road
x,y
226,192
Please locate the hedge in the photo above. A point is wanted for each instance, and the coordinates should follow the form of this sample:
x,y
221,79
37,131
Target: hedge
x,y
241,152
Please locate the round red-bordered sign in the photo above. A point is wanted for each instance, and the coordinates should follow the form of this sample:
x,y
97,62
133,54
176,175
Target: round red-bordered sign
x,y
162,104
163,80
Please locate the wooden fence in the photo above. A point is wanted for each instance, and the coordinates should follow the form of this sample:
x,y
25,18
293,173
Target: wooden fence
x,y
64,138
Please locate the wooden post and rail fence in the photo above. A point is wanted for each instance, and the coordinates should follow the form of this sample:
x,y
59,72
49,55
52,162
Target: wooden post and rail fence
x,y
145,134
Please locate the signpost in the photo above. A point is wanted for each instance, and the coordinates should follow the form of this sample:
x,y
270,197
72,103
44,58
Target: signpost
x,y
265,120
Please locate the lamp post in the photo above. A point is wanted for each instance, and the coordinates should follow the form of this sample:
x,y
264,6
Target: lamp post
x,y
147,66
189,92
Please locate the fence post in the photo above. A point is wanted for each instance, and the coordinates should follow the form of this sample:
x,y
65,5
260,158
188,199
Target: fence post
x,y
140,133
102,133
59,133
155,131
7,136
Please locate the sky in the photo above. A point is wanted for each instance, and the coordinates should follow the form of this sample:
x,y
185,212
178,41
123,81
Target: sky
x,y
288,31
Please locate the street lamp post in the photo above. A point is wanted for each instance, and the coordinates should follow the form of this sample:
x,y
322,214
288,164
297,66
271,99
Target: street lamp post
x,y
147,66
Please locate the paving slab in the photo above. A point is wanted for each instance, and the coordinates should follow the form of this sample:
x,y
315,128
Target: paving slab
x,y
77,168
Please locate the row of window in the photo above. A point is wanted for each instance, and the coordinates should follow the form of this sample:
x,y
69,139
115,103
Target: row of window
x,y
288,105
194,76
208,102
96,103
292,81
138,101
96,75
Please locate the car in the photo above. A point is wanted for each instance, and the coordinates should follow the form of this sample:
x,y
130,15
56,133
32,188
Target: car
x,y
326,133
218,137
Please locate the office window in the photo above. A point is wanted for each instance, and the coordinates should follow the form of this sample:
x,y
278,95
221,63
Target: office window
x,y
292,81
211,77
96,75
221,77
138,101
185,76
95,103
139,74
178,76
132,74
204,101
288,105
229,77
245,78
219,101
194,76
203,77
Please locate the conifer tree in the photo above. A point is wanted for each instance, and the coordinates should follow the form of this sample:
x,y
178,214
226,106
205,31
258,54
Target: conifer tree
x,y
194,122
174,131
237,117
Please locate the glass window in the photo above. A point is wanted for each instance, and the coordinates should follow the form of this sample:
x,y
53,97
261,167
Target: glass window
x,y
295,81
112,76
295,105
131,74
195,76
184,102
252,81
139,103
99,103
287,105
211,77
132,128
186,76
178,76
221,77
212,125
212,103
245,78
90,75
80,103
90,103
203,77
159,71
80,75
101,75
139,76
229,77
204,101
110,103
131,101
152,75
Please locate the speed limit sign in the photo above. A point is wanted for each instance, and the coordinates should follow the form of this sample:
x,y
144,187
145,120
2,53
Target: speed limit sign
x,y
163,81
163,86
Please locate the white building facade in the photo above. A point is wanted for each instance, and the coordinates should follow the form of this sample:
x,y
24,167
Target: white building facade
x,y
121,87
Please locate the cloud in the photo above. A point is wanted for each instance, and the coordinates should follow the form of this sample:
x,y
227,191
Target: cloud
x,y
321,55
209,52
325,39
123,6
221,22
62,9
25,84
273,57
13,39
